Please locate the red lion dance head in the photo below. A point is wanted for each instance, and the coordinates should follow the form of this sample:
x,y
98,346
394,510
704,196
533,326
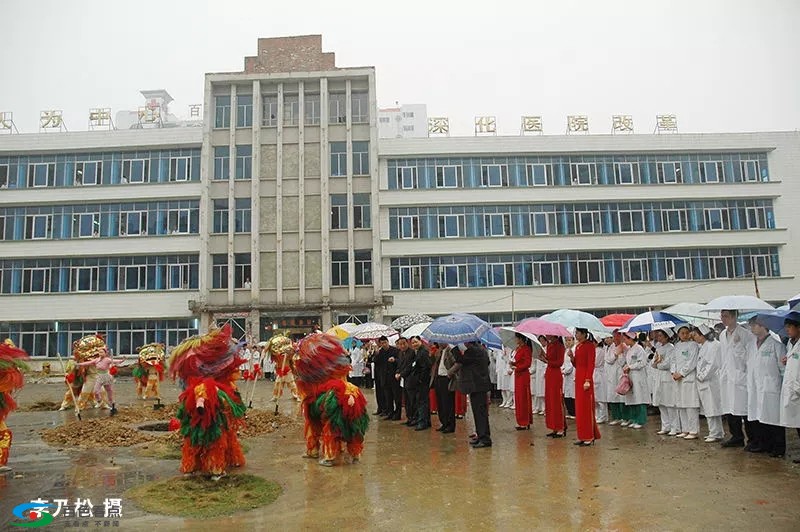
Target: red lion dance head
x,y
11,366
321,357
214,355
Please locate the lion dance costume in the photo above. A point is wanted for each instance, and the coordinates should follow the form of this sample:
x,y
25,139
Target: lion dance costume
x,y
281,351
149,371
82,377
211,409
335,410
11,365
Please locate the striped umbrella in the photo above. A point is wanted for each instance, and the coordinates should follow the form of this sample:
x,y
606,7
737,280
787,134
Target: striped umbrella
x,y
372,331
651,321
456,329
404,322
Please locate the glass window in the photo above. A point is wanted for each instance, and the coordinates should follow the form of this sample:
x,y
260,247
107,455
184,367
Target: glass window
x,y
539,175
241,272
721,267
244,162
717,220
679,269
87,225
407,177
219,271
338,211
410,278
178,221
244,110
635,270
360,107
583,173
590,271
41,175
408,226
35,280
222,111
494,175
222,162
361,158
3,176
545,273
448,176
179,168
669,173
497,224
220,224
135,170
750,170
178,277
712,171
337,108
89,173
85,279
291,109
363,264
756,218
134,277
269,111
587,222
543,223
626,173
631,221
312,109
133,223
242,217
338,159
452,276
500,274
38,226
339,268
361,211
450,225
674,220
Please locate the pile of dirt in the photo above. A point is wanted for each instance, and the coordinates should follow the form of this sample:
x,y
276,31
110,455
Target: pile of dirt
x,y
40,406
94,433
258,422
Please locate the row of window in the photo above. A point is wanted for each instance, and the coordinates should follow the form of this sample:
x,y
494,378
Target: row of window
x,y
99,274
577,170
122,337
478,271
112,168
568,219
95,221
293,115
361,211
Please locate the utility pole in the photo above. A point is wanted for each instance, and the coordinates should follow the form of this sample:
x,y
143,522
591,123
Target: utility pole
x,y
513,313
755,276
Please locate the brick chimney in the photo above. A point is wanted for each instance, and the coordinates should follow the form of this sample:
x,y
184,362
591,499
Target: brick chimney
x,y
301,53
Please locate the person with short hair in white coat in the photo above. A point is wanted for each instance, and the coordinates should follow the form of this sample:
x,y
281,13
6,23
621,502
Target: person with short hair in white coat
x,y
568,371
638,398
599,379
665,388
505,378
790,389
737,348
765,405
615,360
708,382
685,373
537,385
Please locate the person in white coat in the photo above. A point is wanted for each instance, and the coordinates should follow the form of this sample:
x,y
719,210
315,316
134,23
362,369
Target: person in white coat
x,y
505,378
638,398
737,347
684,372
765,405
665,388
615,360
708,384
568,371
537,385
790,389
599,379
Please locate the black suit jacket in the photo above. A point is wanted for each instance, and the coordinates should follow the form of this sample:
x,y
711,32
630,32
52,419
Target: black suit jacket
x,y
472,369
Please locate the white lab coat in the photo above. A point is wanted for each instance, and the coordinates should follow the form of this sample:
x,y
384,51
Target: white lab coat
x,y
665,388
599,377
736,349
765,406
537,384
568,370
357,362
790,390
636,360
494,355
685,363
708,383
505,381
613,372
652,373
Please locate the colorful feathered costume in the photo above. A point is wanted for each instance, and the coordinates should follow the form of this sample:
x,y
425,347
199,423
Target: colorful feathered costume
x,y
335,410
149,371
82,379
11,366
211,409
281,351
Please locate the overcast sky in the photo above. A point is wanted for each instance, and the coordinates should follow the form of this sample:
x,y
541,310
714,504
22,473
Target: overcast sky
x,y
720,65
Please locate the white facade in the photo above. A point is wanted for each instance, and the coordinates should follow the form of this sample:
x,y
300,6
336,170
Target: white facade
x,y
403,121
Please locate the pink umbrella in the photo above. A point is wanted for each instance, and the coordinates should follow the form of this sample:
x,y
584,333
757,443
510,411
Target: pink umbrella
x,y
541,327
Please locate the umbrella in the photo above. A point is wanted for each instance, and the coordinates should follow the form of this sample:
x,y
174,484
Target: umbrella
x,y
372,331
651,321
404,322
794,301
691,313
578,319
773,319
456,329
615,321
737,303
350,343
340,332
492,340
415,330
539,327
509,337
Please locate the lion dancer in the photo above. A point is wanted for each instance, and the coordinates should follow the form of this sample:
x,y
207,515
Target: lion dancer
x,y
149,371
11,379
73,378
106,369
281,351
211,409
87,349
335,410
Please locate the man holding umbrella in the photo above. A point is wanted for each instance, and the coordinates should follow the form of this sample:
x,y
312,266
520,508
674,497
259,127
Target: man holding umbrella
x,y
471,371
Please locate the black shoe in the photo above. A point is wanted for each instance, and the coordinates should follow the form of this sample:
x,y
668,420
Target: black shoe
x,y
777,454
796,461
580,443
410,423
526,427
754,449
395,417
732,443
481,444
440,429
422,427
559,434
377,413
448,430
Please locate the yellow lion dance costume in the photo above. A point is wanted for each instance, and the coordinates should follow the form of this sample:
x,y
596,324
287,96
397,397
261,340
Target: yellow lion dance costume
x,y
149,371
335,410
281,351
11,366
82,378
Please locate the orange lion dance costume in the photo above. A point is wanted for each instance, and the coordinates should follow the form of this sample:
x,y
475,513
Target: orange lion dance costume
x,y
335,410
11,366
149,371
211,409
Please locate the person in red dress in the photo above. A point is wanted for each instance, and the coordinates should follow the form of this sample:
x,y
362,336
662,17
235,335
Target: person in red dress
x,y
523,357
584,359
554,388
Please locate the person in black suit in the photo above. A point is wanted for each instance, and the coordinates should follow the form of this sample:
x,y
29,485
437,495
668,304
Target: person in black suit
x,y
472,377
420,375
406,358
393,393
378,357
445,388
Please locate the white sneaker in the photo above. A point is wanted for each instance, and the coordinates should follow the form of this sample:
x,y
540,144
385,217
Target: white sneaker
x,y
690,436
662,432
625,423
615,422
635,426
681,434
601,421
672,433
712,440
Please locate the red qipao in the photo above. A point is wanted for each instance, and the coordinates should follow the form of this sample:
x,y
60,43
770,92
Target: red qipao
x,y
554,387
522,386
584,399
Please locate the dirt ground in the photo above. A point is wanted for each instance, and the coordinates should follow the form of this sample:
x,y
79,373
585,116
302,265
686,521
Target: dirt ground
x,y
630,480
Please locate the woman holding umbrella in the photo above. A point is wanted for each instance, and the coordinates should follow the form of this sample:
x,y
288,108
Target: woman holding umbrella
x,y
521,364
637,399
553,388
583,360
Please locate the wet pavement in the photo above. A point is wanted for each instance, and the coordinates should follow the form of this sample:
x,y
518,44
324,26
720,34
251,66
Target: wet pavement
x,y
630,480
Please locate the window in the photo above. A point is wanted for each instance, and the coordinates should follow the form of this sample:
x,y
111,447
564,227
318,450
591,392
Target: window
x,y
497,224
407,177
717,220
712,171
408,128
312,109
337,108
338,211
178,277
545,273
178,221
41,175
241,215
539,175
543,223
84,279
361,211
590,271
679,269
133,223
291,109
222,162
244,110
410,278
758,263
3,229
750,170
448,176
38,226
635,270
89,173
86,225
450,225
269,111
219,270
626,173
339,268
222,111
721,267
669,173
452,276
583,173
384,119
363,266
3,176
35,280
756,218
241,269
631,221
500,274
179,168
220,222
494,175
338,159
133,277
360,107
408,226
587,222
360,158
674,220
135,171
244,162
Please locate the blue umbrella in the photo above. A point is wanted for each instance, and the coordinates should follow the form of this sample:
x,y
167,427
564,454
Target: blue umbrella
x,y
773,319
794,301
492,339
651,321
456,329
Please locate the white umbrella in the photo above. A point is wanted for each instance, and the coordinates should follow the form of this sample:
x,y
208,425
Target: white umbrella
x,y
794,301
509,337
738,303
692,313
415,330
372,331
580,320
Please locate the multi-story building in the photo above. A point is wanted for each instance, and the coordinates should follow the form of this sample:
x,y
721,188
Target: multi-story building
x,y
403,121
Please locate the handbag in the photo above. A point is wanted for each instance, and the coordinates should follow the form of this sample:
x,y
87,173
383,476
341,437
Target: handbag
x,y
625,385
